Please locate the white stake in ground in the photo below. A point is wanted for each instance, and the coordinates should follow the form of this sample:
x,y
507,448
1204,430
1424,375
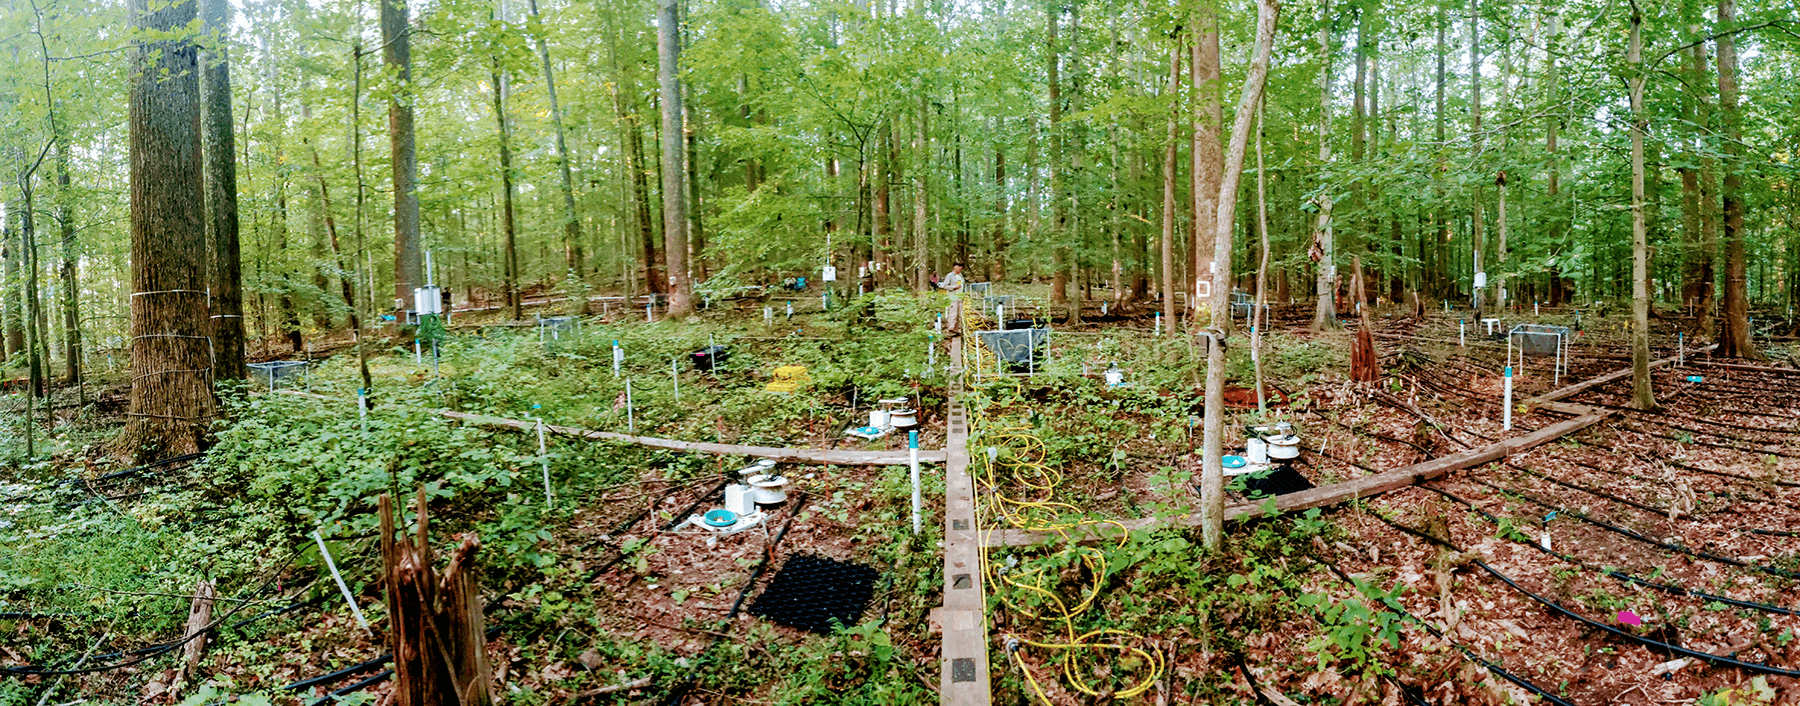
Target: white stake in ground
x,y
1506,414
362,407
712,355
618,358
790,310
768,317
675,374
360,620
1159,323
544,457
1680,348
918,503
1462,333
630,412
650,310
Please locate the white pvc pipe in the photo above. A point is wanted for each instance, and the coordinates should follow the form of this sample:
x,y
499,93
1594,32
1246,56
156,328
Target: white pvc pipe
x,y
544,457
362,407
712,355
360,620
1462,333
675,374
917,497
630,411
618,358
1506,414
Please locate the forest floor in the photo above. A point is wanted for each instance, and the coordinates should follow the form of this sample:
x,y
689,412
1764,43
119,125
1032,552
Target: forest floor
x,y
1552,567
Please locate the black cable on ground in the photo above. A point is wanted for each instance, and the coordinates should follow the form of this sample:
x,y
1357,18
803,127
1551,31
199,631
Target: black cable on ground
x,y
678,517
359,686
1613,573
1595,624
1624,532
1697,469
1647,508
680,692
159,649
340,674
1401,611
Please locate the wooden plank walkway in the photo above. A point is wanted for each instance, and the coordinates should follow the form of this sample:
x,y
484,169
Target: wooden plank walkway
x,y
963,659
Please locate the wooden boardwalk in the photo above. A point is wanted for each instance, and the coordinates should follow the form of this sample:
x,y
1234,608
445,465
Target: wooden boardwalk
x,y
963,661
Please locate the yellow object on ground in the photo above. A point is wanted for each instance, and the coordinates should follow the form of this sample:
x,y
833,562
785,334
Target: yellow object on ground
x,y
788,378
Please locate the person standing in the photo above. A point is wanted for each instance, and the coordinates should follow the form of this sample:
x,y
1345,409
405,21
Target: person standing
x,y
953,282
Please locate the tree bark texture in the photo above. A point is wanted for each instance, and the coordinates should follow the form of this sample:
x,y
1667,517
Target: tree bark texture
x,y
220,152
1168,209
1734,326
1642,397
408,252
171,362
675,242
436,635
1209,162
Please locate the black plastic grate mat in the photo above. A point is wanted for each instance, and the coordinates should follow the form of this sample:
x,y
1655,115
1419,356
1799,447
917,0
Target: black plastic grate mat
x,y
817,594
1280,480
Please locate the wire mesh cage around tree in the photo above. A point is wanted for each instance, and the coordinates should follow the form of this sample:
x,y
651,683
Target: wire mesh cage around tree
x,y
817,594
1017,349
278,374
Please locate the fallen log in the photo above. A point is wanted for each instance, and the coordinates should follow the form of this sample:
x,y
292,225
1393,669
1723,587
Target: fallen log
x,y
818,457
1363,487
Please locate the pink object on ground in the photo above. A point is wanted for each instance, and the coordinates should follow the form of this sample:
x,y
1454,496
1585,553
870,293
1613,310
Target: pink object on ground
x,y
1629,618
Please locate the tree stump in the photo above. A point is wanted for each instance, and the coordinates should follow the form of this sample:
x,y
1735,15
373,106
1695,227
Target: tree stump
x,y
437,635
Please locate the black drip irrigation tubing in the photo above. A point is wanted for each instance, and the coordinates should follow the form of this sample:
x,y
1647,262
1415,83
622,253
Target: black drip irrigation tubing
x,y
110,476
671,525
148,653
1400,610
680,692
1707,657
1626,501
1696,469
1630,534
1614,573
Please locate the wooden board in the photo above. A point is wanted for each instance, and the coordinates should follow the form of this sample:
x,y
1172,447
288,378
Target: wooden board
x,y
823,457
963,678
1363,487
1615,375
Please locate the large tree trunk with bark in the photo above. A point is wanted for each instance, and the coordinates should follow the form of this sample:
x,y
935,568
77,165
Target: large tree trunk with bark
x,y
220,153
1734,325
172,398
408,252
1209,163
1642,397
65,217
675,242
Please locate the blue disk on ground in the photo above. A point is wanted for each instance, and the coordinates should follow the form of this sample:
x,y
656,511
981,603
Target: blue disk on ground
x,y
1695,378
720,518
1233,461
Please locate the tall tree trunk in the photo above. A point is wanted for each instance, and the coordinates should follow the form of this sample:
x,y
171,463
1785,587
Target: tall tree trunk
x,y
1476,231
997,260
921,230
65,217
397,52
1558,219
13,316
172,398
220,153
675,242
1059,278
509,245
1734,329
1442,218
1324,250
1212,477
1168,210
1209,163
574,256
1642,397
